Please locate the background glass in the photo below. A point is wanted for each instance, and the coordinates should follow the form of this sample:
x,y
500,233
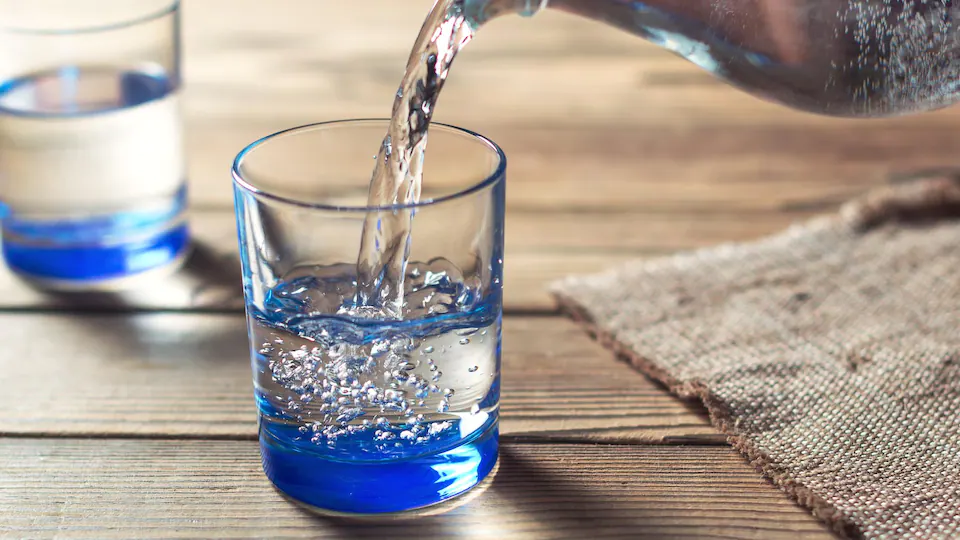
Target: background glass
x,y
361,413
91,159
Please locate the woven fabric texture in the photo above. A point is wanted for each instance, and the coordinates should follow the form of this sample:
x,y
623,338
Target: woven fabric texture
x,y
829,354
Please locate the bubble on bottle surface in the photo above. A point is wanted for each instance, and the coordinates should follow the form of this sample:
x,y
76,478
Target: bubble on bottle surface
x,y
428,349
473,369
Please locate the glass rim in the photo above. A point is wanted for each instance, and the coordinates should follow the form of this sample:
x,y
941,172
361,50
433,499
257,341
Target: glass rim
x,y
242,183
152,15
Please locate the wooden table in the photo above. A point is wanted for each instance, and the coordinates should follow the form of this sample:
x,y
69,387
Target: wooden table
x,y
131,416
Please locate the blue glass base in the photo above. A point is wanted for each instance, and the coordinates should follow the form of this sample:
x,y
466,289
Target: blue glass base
x,y
88,266
365,488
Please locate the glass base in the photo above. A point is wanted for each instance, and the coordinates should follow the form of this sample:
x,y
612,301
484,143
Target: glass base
x,y
345,489
98,267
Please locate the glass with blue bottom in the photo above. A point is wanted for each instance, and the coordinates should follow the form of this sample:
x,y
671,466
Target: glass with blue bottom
x,y
363,412
92,189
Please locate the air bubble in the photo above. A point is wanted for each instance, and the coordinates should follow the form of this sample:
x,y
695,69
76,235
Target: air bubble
x,y
428,349
407,435
436,376
379,348
473,369
439,427
384,435
465,341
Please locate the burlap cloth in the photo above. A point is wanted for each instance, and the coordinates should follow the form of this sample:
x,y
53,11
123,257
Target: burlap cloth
x,y
829,354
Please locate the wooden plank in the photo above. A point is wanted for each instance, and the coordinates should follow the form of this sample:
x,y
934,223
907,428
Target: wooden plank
x,y
175,374
642,170
541,246
215,489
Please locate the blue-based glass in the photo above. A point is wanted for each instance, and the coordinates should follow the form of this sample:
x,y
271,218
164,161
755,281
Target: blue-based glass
x,y
361,412
92,183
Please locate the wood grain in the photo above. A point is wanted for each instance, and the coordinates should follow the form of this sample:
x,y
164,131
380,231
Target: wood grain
x,y
605,122
617,150
189,375
210,489
642,170
541,246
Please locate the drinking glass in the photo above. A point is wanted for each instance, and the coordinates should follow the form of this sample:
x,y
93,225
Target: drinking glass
x,y
361,412
91,160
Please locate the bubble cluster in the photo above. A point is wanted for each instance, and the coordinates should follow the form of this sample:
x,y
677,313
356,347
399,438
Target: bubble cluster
x,y
335,387
339,369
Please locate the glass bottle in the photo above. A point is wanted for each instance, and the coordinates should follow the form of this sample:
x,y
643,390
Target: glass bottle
x,y
858,58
